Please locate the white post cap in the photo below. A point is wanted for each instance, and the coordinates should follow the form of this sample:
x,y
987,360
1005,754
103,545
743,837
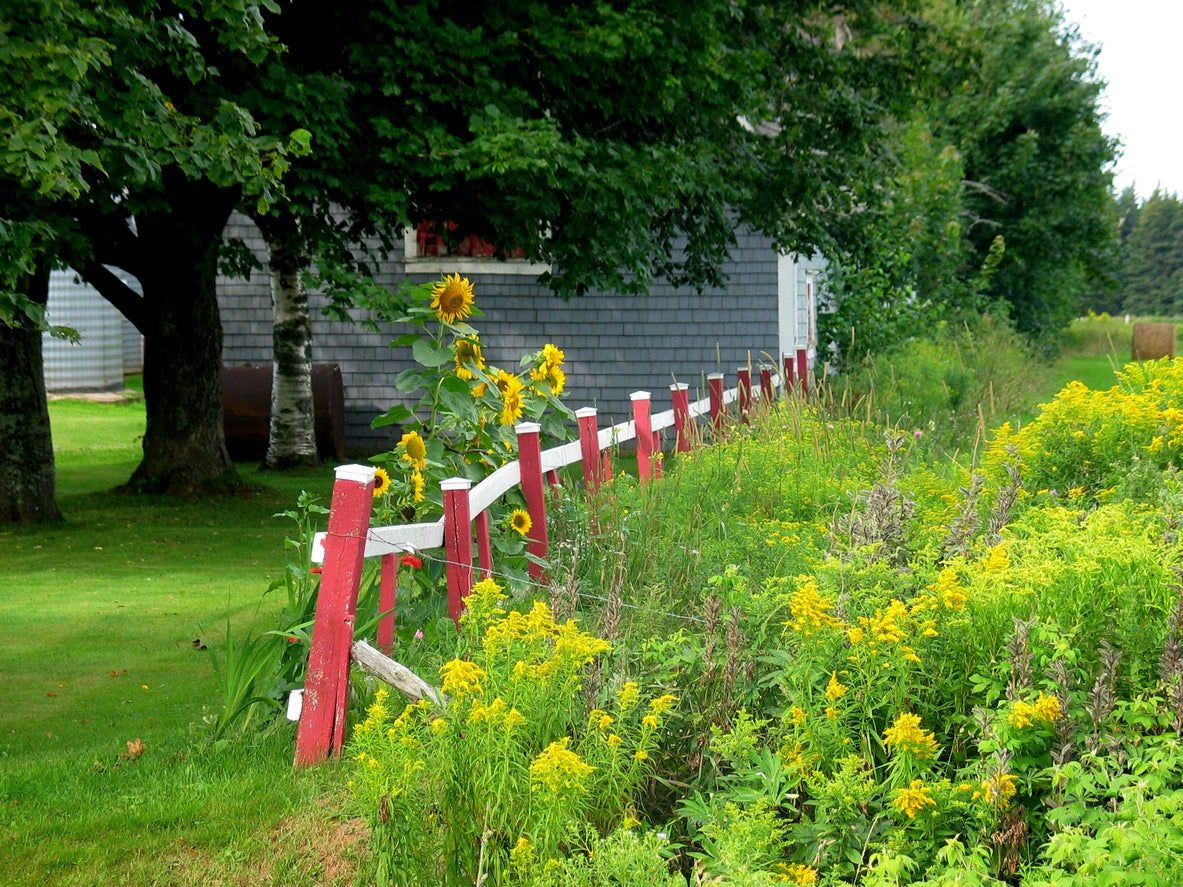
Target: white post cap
x,y
359,474
456,483
639,395
585,413
679,386
527,428
714,375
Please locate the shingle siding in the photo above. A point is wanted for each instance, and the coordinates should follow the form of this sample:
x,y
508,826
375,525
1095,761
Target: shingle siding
x,y
615,344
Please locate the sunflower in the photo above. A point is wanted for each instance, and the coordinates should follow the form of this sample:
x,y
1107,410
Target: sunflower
x,y
519,521
451,298
417,483
557,380
506,381
381,482
552,355
468,352
479,390
512,406
414,450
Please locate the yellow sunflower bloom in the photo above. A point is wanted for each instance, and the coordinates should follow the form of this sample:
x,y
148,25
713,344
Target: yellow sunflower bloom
x,y
417,484
520,521
452,298
381,482
468,354
414,450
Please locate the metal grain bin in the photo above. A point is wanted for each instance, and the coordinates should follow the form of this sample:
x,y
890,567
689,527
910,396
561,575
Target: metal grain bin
x,y
96,362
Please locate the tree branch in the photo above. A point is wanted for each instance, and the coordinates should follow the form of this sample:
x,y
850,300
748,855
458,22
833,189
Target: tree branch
x,y
118,293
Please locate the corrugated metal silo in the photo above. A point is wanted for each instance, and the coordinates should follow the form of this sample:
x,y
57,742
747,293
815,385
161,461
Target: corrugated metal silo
x,y
96,362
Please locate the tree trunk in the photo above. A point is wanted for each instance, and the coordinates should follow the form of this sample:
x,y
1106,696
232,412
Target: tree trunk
x,y
293,439
184,444
26,446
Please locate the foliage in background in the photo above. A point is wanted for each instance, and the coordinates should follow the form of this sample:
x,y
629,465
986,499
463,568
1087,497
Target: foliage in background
x,y
1151,273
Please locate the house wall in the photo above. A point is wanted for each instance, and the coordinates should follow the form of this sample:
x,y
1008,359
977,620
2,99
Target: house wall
x,y
615,344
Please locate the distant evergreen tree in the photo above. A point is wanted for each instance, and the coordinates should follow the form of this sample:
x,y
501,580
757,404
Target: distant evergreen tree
x,y
1152,253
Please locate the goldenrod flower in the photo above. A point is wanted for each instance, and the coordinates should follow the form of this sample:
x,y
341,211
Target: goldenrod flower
x,y
913,800
461,677
452,298
998,790
834,689
414,449
906,735
438,726
381,482
1044,709
613,740
628,696
810,609
949,589
520,521
659,705
559,769
797,714
640,755
468,354
649,721
831,712
799,874
522,855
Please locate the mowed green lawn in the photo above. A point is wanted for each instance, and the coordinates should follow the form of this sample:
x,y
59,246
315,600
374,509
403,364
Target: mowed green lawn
x,y
98,623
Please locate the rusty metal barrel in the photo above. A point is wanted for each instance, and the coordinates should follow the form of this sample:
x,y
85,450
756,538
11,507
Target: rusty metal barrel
x,y
246,410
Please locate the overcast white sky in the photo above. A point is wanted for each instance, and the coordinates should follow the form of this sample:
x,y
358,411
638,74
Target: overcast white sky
x,y
1142,60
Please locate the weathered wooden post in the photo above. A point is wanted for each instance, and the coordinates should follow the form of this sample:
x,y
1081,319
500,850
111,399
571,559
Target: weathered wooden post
x,y
321,732
766,384
644,428
387,600
680,394
457,543
484,548
530,460
589,447
745,392
715,392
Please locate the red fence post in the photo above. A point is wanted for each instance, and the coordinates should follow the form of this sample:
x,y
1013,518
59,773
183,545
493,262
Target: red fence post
x,y
589,447
766,384
484,549
680,394
321,732
803,369
745,392
644,428
606,462
552,478
788,380
387,599
530,459
457,543
715,392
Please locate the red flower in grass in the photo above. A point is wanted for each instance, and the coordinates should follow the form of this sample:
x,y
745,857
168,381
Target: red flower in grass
x,y
409,560
316,571
292,639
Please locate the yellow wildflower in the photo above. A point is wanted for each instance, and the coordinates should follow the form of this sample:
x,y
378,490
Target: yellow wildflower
x,y
834,689
997,560
417,484
461,677
559,769
949,589
998,790
629,823
906,735
628,696
797,873
520,521
1044,709
659,705
831,712
438,726
640,755
649,721
613,740
513,402
810,609
797,714
452,298
913,799
514,719
522,855
576,647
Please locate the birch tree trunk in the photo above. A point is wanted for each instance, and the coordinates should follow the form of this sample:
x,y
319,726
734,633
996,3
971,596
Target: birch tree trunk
x,y
293,438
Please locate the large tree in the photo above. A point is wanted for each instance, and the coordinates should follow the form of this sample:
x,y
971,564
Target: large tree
x,y
1019,98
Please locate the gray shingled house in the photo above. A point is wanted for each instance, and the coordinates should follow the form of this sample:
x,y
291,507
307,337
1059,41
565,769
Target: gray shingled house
x,y
615,344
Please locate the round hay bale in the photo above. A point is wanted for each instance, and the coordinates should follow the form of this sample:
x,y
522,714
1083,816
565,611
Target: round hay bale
x,y
1153,340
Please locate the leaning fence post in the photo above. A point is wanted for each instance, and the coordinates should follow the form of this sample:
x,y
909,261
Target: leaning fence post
x,y
589,447
530,460
680,394
766,384
803,369
644,428
457,543
387,599
745,392
787,360
715,392
321,732
484,549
